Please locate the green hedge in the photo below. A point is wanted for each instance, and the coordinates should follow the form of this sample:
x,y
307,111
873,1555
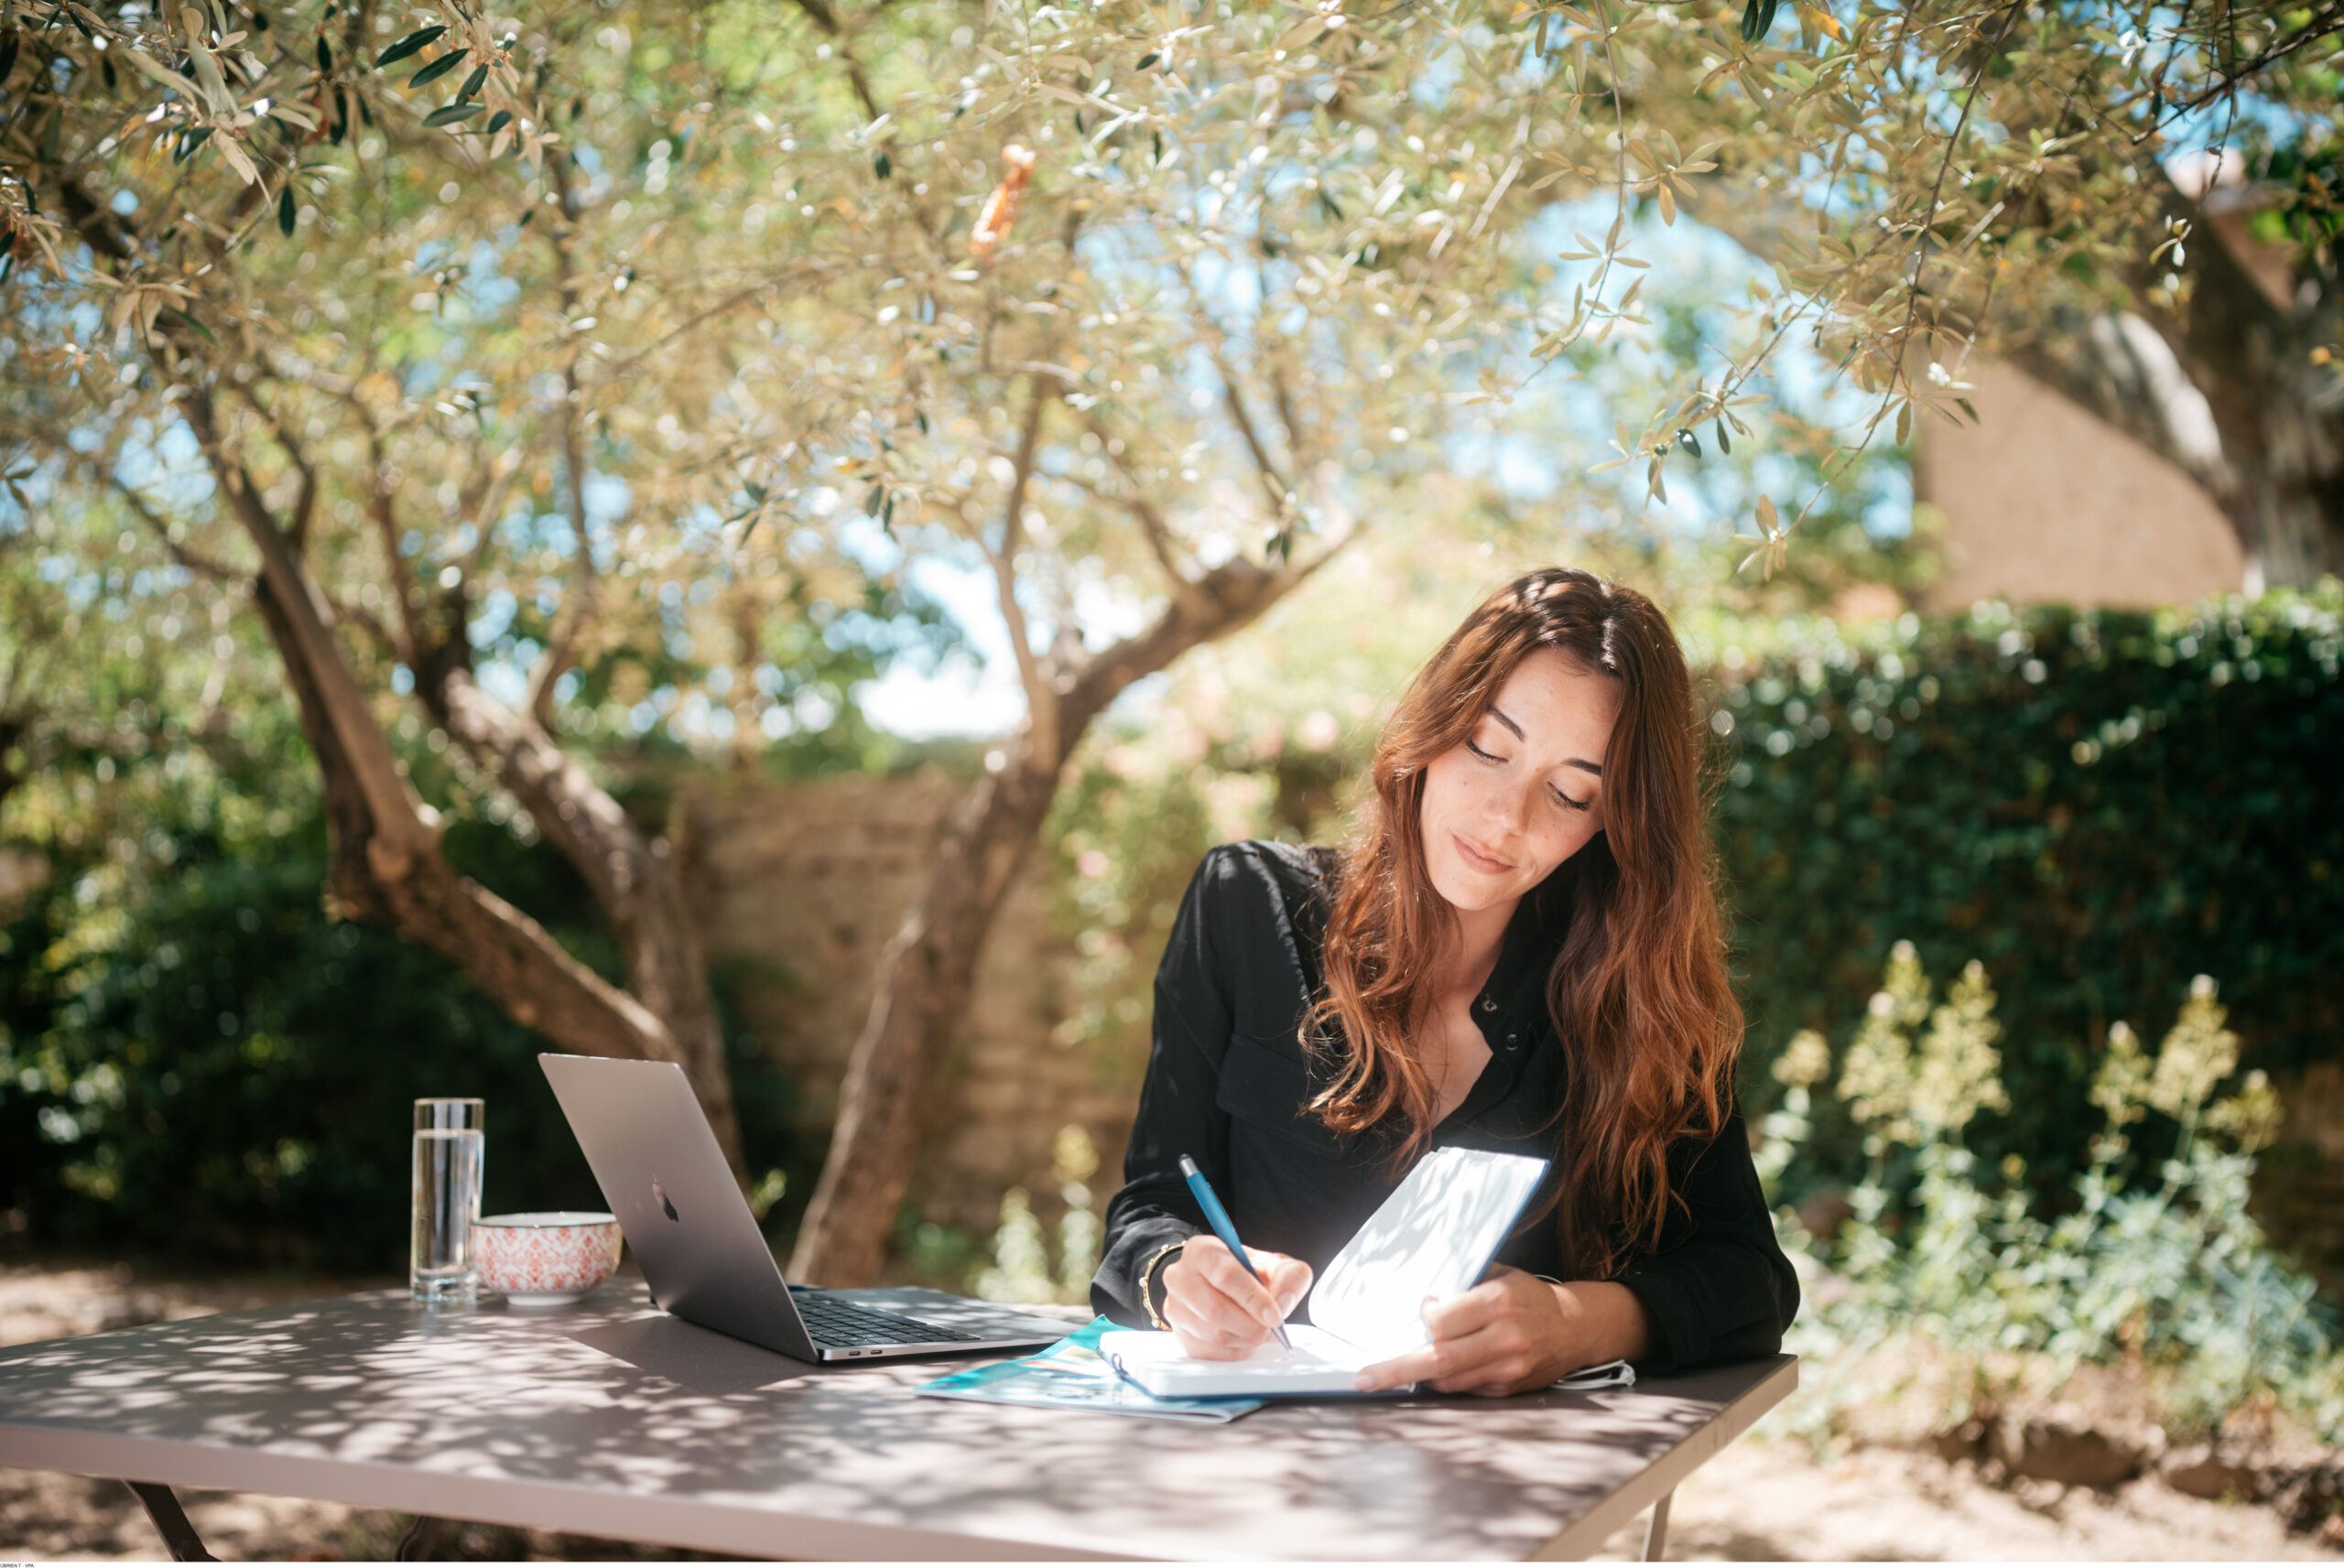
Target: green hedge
x,y
217,1069
2098,805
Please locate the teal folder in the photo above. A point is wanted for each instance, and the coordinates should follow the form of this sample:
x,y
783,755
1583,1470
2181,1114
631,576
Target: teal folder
x,y
1072,1374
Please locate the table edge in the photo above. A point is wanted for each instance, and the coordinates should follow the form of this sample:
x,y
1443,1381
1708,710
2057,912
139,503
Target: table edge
x,y
1585,1534
694,1523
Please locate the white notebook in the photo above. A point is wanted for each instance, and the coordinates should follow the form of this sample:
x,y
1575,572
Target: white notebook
x,y
1433,1237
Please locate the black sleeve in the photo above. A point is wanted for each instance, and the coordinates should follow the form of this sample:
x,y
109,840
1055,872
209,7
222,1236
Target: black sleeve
x,y
1718,1288
1176,1111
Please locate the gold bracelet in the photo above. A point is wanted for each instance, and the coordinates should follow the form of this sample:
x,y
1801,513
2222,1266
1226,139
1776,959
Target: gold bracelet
x,y
1147,1276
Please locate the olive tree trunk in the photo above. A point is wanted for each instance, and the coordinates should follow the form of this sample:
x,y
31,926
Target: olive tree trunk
x,y
2228,391
387,865
928,968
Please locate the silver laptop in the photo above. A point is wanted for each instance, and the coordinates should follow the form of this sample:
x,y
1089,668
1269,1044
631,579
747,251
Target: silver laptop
x,y
661,1171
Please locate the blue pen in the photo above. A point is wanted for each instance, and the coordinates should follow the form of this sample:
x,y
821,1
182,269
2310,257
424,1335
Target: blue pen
x,y
1218,1217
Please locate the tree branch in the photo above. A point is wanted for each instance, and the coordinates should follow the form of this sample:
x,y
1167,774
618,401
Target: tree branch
x,y
1274,483
2324,25
366,621
387,862
1224,600
730,303
484,494
1041,702
305,504
1161,542
635,880
1283,397
380,509
570,630
819,12
203,565
401,833
1937,190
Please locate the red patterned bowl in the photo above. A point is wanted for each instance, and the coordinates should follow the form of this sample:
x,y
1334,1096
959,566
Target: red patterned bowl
x,y
545,1260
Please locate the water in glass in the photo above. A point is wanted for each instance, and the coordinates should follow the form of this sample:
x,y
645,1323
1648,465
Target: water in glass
x,y
449,1147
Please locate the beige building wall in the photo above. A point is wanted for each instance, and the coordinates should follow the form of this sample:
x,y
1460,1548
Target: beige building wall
x,y
2043,501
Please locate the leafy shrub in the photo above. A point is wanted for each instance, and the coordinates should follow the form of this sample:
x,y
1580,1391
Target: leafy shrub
x,y
2150,1263
2094,805
209,1064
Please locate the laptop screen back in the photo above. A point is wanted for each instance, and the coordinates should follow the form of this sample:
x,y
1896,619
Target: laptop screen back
x,y
661,1170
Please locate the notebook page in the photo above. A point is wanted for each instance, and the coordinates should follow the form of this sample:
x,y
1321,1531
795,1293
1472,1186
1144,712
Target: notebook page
x,y
1433,1237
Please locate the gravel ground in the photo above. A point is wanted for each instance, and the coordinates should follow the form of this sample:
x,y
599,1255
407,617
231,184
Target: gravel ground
x,y
1762,1501
1759,1500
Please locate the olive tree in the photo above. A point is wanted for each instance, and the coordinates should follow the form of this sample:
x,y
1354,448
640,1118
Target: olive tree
x,y
425,336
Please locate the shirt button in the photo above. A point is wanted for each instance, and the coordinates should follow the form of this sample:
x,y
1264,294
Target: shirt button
x,y
1512,1041
1489,1004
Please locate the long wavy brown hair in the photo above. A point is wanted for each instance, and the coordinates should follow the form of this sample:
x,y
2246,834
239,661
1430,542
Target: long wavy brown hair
x,y
1649,1026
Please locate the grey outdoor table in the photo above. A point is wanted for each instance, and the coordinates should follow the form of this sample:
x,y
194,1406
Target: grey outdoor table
x,y
609,1418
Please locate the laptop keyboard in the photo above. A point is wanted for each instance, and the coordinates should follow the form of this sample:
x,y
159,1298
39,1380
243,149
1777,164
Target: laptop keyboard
x,y
840,1325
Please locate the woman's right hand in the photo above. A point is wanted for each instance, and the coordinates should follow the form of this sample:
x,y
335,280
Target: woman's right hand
x,y
1219,1311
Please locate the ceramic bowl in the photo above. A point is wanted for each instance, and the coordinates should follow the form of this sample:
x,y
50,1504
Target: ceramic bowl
x,y
545,1260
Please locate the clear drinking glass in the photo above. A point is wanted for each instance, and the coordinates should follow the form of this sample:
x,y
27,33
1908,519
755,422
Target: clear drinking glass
x,y
447,1150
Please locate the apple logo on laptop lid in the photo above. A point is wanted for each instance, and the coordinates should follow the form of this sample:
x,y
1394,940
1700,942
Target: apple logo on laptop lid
x,y
660,1193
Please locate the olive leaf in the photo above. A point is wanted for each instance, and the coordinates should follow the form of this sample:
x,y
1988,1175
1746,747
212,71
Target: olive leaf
x,y
162,74
438,68
192,321
406,45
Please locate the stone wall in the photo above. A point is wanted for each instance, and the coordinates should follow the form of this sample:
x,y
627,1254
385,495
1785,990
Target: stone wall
x,y
798,888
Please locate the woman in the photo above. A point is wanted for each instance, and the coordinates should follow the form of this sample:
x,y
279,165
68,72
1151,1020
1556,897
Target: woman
x,y
1519,950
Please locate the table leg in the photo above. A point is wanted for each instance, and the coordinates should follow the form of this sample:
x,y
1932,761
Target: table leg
x,y
422,1536
179,1536
1656,1529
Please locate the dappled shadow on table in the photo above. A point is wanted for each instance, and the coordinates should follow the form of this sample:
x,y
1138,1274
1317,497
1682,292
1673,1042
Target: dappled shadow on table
x,y
609,1401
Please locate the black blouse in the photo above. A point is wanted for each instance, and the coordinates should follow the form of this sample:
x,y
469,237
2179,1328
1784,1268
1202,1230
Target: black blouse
x,y
1228,1081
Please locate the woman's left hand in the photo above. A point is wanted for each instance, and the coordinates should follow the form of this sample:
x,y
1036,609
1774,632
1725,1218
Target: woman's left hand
x,y
1514,1332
